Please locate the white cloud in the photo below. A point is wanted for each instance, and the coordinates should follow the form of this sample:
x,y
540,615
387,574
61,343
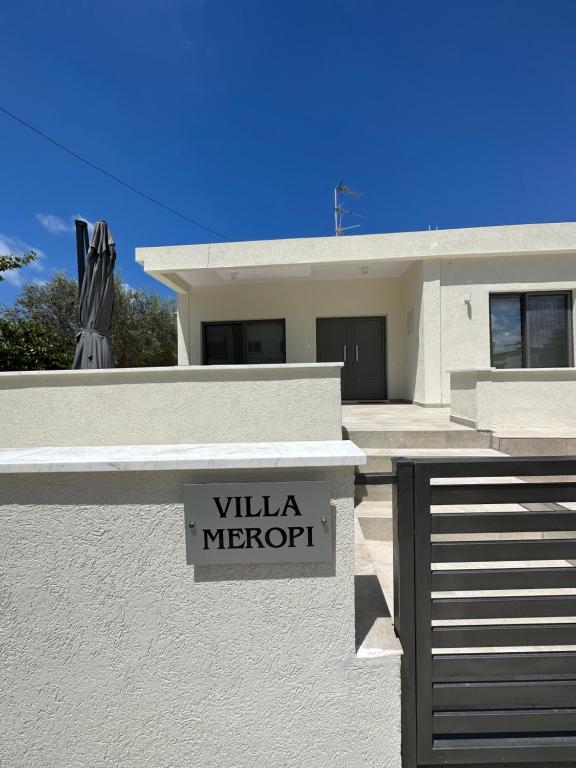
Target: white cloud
x,y
13,277
56,225
18,277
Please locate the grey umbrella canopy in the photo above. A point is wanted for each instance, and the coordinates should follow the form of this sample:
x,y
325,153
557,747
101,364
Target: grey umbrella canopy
x,y
93,346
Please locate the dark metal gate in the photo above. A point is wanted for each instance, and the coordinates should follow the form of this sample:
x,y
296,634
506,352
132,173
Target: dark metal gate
x,y
485,608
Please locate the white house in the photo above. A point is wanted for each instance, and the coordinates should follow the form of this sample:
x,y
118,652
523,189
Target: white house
x,y
128,644
401,310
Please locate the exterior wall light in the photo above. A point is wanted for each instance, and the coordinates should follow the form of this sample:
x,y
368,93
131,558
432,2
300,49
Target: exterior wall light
x,y
467,297
364,270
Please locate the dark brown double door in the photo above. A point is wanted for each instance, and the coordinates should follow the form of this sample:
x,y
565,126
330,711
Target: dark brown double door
x,y
360,343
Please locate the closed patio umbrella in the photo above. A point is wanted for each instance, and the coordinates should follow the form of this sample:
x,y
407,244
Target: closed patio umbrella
x,y
93,345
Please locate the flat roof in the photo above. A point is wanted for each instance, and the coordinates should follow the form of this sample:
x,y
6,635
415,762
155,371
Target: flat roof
x,y
385,255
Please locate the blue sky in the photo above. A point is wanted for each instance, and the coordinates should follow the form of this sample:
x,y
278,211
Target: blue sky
x,y
243,115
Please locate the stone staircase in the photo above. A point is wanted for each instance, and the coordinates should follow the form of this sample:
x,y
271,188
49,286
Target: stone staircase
x,y
374,501
373,523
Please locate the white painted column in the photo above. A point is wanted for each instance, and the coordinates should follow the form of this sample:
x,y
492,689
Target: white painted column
x,y
183,327
428,390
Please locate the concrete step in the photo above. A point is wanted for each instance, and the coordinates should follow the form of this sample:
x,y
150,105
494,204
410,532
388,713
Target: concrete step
x,y
380,459
532,444
383,457
462,437
373,493
375,519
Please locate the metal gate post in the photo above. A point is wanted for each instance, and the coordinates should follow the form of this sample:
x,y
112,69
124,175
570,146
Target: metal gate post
x,y
405,601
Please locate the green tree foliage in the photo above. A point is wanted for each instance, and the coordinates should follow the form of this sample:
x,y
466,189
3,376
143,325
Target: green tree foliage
x,y
144,328
25,345
45,317
12,261
53,304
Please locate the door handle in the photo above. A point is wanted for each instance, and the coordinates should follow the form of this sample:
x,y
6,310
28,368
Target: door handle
x,y
356,352
345,353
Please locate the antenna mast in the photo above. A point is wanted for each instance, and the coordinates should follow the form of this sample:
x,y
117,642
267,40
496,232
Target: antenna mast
x,y
339,211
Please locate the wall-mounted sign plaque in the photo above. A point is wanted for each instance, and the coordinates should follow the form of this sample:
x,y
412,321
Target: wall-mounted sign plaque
x,y
258,523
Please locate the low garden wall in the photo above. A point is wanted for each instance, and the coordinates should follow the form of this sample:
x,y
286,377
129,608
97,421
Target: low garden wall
x,y
520,398
196,404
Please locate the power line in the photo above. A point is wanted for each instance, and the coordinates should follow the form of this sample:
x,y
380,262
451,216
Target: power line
x,y
110,175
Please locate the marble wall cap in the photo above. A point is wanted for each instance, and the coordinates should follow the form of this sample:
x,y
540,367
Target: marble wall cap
x,y
166,370
114,458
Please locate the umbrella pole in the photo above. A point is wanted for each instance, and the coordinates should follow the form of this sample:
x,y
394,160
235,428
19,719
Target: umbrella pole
x,y
81,249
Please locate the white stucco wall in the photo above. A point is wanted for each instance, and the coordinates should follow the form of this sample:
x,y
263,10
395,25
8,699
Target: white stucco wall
x,y
117,653
414,331
465,339
300,303
431,329
434,270
522,398
463,397
170,405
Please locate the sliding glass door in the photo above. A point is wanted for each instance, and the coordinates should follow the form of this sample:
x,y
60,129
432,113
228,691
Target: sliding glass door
x,y
245,341
547,331
531,330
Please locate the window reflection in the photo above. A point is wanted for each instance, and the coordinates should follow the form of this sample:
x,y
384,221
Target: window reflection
x,y
547,331
530,330
506,327
249,341
264,342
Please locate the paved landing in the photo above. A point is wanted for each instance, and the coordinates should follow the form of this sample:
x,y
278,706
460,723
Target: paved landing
x,y
404,416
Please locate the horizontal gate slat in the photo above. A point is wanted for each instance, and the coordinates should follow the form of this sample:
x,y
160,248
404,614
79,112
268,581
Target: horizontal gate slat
x,y
491,550
502,493
513,752
503,607
503,578
504,721
503,522
522,695
489,635
488,666
521,466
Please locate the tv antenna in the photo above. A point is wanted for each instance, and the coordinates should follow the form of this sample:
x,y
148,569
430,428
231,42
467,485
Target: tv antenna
x,y
340,211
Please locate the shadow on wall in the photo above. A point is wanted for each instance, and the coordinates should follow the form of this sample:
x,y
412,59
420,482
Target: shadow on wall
x,y
369,605
263,572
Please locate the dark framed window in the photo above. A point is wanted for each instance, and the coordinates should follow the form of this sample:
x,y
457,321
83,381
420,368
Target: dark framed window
x,y
531,330
244,342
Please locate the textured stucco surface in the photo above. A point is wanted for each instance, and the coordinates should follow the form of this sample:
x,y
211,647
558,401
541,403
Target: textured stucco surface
x,y
116,653
529,398
463,396
431,328
171,405
465,341
300,303
414,333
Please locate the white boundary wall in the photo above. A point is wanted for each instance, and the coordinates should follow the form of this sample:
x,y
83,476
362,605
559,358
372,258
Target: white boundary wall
x,y
523,398
170,405
116,652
